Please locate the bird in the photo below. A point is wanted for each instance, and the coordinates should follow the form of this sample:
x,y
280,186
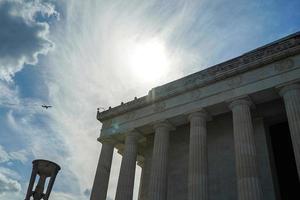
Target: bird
x,y
46,106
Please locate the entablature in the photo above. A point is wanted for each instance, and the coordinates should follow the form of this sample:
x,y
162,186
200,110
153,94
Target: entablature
x,y
264,55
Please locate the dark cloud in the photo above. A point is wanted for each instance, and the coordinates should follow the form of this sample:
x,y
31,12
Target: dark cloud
x,y
22,35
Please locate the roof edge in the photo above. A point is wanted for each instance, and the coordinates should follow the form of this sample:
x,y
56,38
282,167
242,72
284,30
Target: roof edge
x,y
278,49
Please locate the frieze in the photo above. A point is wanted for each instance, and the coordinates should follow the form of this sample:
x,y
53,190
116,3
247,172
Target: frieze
x,y
234,82
202,76
284,65
190,81
162,91
195,94
131,115
158,107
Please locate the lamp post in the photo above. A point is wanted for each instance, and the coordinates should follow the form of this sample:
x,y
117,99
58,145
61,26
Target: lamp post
x,y
45,169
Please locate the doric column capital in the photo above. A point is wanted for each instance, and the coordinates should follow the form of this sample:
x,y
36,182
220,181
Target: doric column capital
x,y
163,124
199,114
286,88
239,102
107,140
132,137
134,134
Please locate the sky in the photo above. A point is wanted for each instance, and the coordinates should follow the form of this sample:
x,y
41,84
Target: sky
x,y
81,55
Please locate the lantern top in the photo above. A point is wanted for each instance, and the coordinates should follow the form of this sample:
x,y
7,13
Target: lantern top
x,y
46,167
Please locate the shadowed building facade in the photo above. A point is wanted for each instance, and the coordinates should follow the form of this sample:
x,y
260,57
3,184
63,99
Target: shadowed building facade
x,y
231,131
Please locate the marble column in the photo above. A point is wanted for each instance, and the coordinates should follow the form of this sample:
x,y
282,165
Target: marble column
x,y
99,189
291,96
158,175
197,177
146,167
249,187
127,170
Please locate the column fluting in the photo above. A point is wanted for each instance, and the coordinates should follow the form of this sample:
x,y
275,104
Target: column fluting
x,y
127,170
291,97
158,178
197,177
248,182
99,189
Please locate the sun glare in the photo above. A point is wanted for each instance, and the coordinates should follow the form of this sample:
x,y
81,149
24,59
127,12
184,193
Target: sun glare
x,y
148,60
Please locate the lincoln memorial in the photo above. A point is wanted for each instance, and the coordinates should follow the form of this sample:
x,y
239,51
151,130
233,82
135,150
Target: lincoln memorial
x,y
229,132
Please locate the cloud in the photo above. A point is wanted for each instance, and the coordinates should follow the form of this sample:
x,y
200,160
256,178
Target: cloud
x,y
4,157
41,142
62,196
8,94
8,185
20,155
22,36
9,173
9,178
25,27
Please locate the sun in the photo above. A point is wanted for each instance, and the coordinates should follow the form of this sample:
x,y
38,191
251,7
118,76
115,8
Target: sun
x,y
148,60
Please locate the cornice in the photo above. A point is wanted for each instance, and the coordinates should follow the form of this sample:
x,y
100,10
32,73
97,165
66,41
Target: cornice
x,y
280,49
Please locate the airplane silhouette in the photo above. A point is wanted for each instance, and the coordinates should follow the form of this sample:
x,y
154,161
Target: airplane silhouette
x,y
46,106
